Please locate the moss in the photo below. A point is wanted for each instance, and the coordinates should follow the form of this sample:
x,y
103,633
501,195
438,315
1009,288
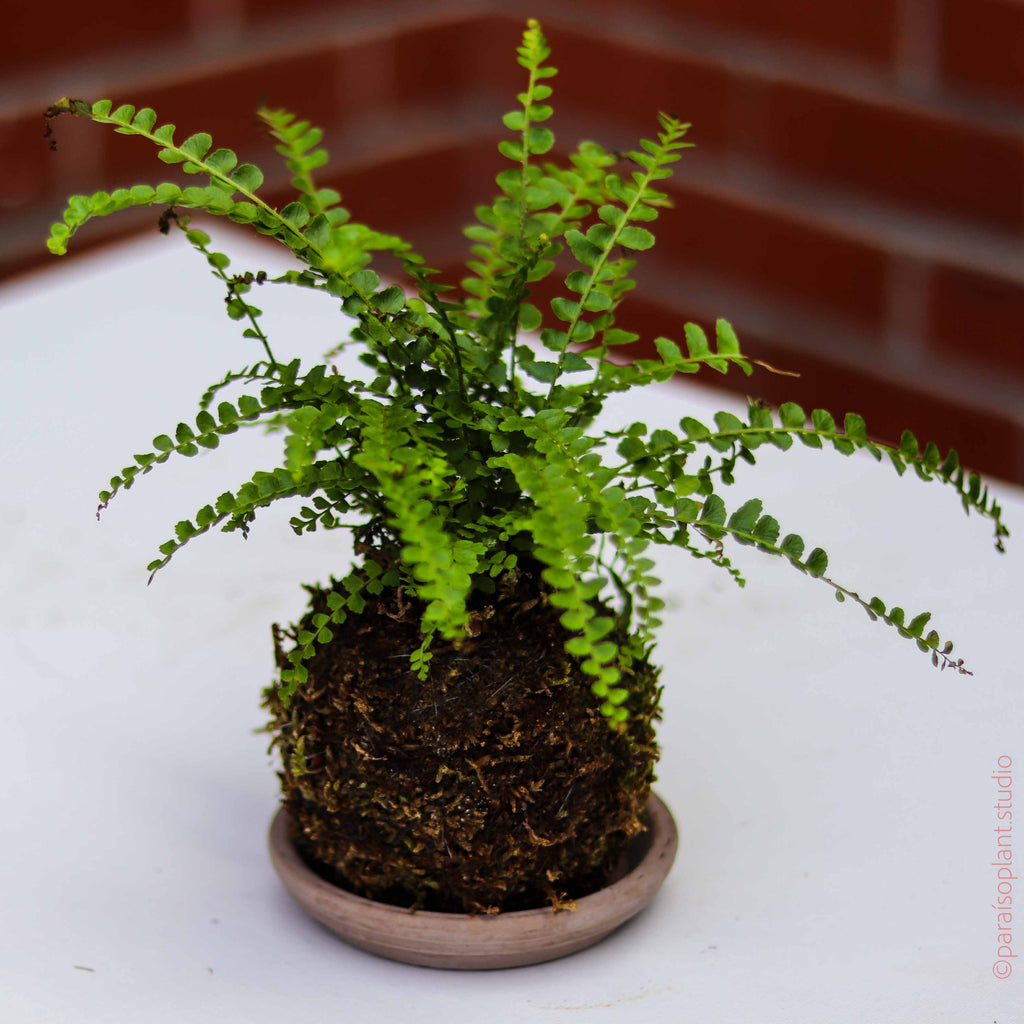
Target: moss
x,y
495,784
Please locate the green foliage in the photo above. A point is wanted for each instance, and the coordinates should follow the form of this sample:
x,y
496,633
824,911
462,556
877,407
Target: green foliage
x,y
465,452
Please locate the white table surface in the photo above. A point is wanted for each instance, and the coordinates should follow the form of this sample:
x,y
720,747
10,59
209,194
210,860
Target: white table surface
x,y
832,790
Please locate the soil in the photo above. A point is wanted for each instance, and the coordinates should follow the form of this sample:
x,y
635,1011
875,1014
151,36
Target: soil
x,y
496,784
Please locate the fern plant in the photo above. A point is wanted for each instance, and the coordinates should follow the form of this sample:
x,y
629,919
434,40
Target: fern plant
x,y
466,448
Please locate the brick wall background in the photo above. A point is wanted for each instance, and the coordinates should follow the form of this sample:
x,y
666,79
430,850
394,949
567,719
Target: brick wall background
x,y
855,203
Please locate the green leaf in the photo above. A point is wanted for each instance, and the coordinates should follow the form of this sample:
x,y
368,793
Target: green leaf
x,y
223,160
767,530
855,428
727,423
916,627
365,281
196,146
539,139
714,510
145,119
585,251
249,406
391,300
554,340
908,446
792,545
542,371
636,238
529,317
564,309
823,421
792,416
728,343
817,562
616,336
296,215
696,342
512,148
746,516
247,177
577,281
669,351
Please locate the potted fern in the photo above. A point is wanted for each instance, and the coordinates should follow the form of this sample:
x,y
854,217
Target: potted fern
x,y
466,718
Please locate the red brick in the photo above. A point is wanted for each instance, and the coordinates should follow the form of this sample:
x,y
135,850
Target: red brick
x,y
40,35
37,178
431,63
866,29
491,62
267,10
633,83
897,153
774,256
367,79
977,318
24,156
982,46
77,163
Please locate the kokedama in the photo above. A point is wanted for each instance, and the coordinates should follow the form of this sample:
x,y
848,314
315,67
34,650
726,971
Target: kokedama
x,y
466,719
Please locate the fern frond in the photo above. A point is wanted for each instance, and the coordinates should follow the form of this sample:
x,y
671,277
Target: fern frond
x,y
617,228
412,479
558,523
447,458
747,525
235,510
343,597
725,352
324,511
325,244
236,306
791,423
608,506
299,143
517,250
258,371
187,441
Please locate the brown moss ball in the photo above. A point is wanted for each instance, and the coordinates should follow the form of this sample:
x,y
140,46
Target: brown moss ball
x,y
495,784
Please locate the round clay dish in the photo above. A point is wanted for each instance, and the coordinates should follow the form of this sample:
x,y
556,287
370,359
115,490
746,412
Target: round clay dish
x,y
481,941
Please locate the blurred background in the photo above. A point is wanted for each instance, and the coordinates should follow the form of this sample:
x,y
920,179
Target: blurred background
x,y
855,203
